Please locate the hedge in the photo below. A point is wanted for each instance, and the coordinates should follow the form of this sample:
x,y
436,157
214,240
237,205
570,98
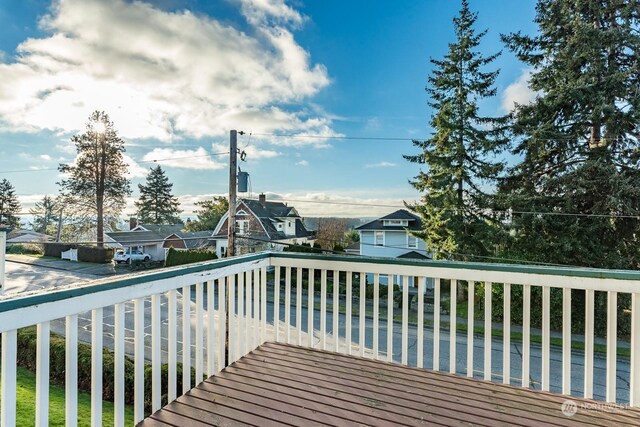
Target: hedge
x,y
96,254
175,257
55,249
27,339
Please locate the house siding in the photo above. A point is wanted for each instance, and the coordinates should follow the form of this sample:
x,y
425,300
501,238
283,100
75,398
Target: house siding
x,y
395,244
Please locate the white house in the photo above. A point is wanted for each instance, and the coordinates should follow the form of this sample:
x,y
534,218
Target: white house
x,y
149,238
262,225
390,237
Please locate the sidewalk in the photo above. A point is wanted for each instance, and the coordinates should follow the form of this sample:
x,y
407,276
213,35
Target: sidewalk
x,y
65,265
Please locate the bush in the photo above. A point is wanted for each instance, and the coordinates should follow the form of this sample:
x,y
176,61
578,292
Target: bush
x,y
302,247
175,257
25,248
27,339
96,254
55,249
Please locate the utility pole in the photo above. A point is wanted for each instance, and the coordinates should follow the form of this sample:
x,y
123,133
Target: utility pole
x,y
233,170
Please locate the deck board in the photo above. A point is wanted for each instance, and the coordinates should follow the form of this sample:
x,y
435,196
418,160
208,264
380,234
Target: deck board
x,y
285,385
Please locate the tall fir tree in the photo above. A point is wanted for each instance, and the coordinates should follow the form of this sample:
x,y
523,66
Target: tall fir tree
x,y
579,139
156,204
459,158
45,215
9,204
96,186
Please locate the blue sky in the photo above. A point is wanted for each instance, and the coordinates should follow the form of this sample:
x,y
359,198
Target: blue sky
x,y
176,76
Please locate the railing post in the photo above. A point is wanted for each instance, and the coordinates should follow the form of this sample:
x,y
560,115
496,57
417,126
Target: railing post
x,y
96,367
634,398
9,368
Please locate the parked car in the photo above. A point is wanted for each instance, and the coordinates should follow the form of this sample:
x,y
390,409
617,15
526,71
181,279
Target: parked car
x,y
135,255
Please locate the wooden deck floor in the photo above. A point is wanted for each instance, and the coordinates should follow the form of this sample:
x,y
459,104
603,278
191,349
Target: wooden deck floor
x,y
279,385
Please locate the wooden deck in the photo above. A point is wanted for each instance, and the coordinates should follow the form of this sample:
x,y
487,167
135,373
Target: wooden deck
x,y
280,385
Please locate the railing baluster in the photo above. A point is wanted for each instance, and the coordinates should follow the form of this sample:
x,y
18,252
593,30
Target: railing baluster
x,y
263,304
405,319
390,318
420,355
488,291
255,322
222,322
138,356
362,313
336,310
453,296
232,342
506,337
240,324
248,314
470,325
118,369
42,374
376,315
436,324
172,345
311,305
199,334
186,339
612,343
276,303
526,333
588,344
323,309
349,306
287,305
546,299
71,371
634,389
566,341
96,367
211,329
8,373
156,353
299,305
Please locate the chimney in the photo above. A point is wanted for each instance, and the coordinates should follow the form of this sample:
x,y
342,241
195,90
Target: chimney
x,y
133,223
262,198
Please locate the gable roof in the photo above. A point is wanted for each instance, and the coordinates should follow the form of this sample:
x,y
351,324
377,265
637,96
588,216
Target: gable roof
x,y
132,238
415,223
160,229
269,214
414,255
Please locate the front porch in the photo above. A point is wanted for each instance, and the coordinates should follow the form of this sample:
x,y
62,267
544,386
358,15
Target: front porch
x,y
178,317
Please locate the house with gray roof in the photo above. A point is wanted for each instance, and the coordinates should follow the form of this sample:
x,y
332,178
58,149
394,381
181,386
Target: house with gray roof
x,y
148,238
183,240
262,225
391,237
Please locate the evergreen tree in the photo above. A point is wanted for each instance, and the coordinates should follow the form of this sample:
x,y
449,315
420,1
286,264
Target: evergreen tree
x,y
96,186
9,204
578,140
209,214
458,158
45,215
156,204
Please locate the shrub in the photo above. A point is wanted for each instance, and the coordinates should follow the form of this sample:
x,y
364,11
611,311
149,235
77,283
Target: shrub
x,y
175,257
96,254
25,248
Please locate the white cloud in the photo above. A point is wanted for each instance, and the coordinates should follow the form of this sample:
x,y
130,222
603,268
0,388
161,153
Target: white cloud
x,y
186,159
381,165
518,92
302,163
253,151
162,75
134,169
45,157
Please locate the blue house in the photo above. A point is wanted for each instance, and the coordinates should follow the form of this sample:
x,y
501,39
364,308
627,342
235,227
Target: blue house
x,y
390,237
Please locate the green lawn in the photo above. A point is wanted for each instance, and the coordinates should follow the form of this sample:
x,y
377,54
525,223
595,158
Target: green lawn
x,y
26,396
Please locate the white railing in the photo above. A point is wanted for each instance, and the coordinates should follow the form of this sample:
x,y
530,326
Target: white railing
x,y
186,308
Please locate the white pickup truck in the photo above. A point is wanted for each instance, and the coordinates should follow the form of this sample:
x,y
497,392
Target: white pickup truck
x,y
134,255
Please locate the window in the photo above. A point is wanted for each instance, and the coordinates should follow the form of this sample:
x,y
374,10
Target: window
x,y
396,222
242,226
412,241
379,238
